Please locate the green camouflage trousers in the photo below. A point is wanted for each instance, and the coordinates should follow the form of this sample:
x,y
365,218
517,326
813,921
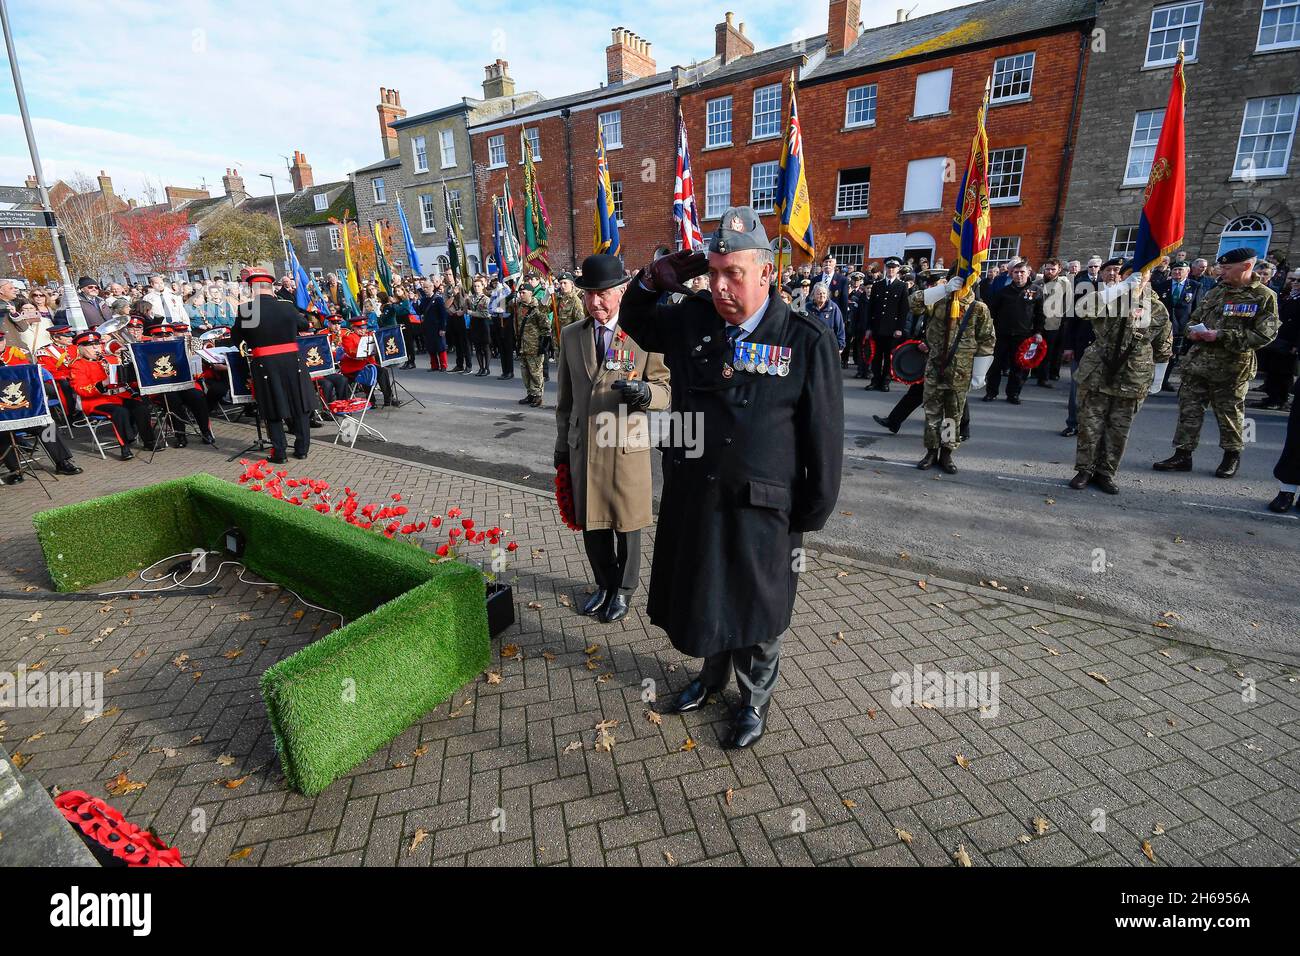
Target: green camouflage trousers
x,y
1228,399
533,374
943,408
1104,424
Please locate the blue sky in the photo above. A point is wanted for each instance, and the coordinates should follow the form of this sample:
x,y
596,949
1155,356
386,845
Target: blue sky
x,y
172,93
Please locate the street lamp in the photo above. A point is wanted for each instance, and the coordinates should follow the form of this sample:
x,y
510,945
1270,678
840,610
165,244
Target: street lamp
x,y
276,196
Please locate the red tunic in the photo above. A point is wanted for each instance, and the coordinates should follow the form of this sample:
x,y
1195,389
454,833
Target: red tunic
x,y
351,364
85,375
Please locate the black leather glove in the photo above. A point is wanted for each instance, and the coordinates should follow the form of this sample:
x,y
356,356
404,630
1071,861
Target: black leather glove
x,y
668,273
633,393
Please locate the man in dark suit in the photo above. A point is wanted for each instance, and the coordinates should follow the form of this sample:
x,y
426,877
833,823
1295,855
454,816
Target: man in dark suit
x,y
1180,296
762,385
884,312
269,326
835,282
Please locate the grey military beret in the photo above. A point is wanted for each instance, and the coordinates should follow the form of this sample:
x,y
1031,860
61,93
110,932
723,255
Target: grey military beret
x,y
739,229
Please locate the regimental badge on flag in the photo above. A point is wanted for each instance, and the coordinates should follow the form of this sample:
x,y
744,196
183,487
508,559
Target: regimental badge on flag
x,y
684,209
1164,207
971,224
792,203
23,403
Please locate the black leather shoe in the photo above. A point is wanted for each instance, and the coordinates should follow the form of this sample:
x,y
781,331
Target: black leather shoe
x,y
946,464
1069,431
16,478
885,423
989,398
301,456
1013,399
1179,461
1282,503
1105,483
526,400
277,459
926,463
748,727
127,454
182,441
1080,480
595,602
963,436
70,467
615,609
884,387
1228,467
209,438
692,697
536,402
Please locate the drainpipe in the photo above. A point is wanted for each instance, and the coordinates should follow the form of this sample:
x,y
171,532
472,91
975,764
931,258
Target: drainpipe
x,y
1068,153
568,173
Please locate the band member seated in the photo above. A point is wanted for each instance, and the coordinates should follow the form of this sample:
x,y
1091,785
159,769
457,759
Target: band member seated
x,y
57,358
351,364
58,452
128,415
191,399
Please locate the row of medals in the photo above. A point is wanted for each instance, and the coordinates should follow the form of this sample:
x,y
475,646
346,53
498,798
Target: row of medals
x,y
614,360
750,360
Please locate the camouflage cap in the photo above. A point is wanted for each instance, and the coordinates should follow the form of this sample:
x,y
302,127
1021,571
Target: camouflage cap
x,y
739,229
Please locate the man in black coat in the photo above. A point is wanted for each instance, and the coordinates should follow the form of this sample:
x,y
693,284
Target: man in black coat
x,y
886,314
836,283
269,326
761,385
1016,317
1180,295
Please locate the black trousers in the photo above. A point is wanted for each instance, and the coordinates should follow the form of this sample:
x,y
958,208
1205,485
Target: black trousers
x,y
882,361
1050,366
191,400
1279,375
1004,361
458,341
333,387
130,419
58,451
301,435
913,399
615,558
756,667
503,336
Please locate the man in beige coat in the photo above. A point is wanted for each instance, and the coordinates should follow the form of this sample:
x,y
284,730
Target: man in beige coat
x,y
607,383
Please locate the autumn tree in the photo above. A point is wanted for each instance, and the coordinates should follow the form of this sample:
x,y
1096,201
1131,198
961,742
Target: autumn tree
x,y
155,238
36,256
88,222
234,237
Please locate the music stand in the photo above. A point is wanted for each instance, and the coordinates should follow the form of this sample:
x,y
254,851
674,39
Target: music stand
x,y
391,348
239,369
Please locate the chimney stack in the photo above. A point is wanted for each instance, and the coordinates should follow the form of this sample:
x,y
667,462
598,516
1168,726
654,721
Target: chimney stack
x,y
497,81
33,182
842,26
105,184
390,110
628,57
300,172
233,184
729,43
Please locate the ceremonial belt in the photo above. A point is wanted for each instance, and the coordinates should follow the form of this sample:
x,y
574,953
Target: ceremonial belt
x,y
262,351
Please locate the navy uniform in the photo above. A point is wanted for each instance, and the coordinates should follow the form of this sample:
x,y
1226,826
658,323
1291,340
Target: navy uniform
x,y
887,313
281,386
769,411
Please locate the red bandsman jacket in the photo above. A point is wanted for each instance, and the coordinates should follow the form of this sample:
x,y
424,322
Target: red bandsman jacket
x,y
56,361
351,364
85,374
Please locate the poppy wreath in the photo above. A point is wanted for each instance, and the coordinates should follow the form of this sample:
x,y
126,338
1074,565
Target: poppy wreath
x,y
868,349
909,344
1031,353
564,497
105,826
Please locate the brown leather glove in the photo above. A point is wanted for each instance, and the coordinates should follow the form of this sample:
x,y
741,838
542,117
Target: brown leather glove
x,y
669,273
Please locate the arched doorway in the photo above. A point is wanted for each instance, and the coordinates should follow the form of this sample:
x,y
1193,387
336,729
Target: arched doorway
x,y
1252,231
918,246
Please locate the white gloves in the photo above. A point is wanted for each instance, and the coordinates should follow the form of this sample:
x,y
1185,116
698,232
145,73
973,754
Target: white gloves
x,y
1158,379
955,283
980,370
936,293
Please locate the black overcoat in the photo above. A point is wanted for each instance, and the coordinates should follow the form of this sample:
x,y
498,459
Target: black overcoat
x,y
766,468
281,386
887,307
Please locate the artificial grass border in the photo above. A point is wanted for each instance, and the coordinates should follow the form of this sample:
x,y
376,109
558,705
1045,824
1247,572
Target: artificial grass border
x,y
419,632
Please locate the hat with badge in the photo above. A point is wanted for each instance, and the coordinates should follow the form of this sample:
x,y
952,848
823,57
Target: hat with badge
x,y
59,328
1234,256
601,271
739,229
1114,261
564,275
357,322
87,337
931,276
893,262
256,275
157,330
857,275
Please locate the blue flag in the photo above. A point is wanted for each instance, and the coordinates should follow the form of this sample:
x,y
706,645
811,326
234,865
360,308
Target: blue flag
x,y
304,286
411,257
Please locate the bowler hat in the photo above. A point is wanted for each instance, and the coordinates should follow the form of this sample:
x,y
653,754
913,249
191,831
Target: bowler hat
x,y
601,271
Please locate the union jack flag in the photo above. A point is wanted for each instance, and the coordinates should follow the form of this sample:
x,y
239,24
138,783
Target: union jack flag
x,y
684,211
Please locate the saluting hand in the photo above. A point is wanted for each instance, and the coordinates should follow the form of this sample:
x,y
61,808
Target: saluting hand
x,y
669,273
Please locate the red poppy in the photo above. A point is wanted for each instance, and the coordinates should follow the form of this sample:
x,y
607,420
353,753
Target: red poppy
x,y
467,524
397,497
512,546
442,550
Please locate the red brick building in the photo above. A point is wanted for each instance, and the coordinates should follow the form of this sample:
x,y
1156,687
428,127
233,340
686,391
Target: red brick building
x,y
637,109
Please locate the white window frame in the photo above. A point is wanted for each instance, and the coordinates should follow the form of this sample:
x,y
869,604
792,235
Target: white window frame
x,y
766,203
1123,248
447,147
420,154
379,190
321,201
711,177
718,115
930,81
849,255
312,244
767,113
496,144
1153,132
616,197
453,200
1191,48
336,241
940,160
613,120
843,190
1254,172
534,136
1278,6
1008,65
1231,238
872,97
997,245
1015,156
428,218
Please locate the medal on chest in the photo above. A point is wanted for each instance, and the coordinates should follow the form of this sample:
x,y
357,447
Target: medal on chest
x,y
758,359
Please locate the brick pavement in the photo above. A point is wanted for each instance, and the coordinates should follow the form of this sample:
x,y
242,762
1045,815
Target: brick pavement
x,y
508,773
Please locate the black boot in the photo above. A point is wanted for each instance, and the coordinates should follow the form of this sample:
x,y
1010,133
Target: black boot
x,y
886,423
70,467
1180,460
1228,467
1105,483
926,463
946,463
1283,502
1080,480
595,602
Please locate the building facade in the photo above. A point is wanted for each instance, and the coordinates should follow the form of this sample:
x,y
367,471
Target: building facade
x,y
1242,67
310,213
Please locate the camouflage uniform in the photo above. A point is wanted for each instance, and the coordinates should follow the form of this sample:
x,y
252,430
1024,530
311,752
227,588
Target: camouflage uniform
x,y
946,388
1115,375
1219,373
570,307
533,328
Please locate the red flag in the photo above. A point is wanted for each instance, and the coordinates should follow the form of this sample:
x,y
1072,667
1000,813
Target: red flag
x,y
1164,207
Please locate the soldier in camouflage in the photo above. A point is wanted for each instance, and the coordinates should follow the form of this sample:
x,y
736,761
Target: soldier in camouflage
x,y
1240,315
533,332
960,351
1134,338
568,301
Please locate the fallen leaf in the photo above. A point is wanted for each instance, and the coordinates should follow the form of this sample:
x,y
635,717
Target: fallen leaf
x,y
668,856
165,751
232,784
19,759
420,836
1049,501
420,751
238,855
548,655
731,792
120,785
576,745
181,659
848,802
1162,624
1150,853
226,760
39,665
29,587
1171,615
534,605
848,513
1041,825
903,835
36,736
244,617
1158,830
922,585
493,677
871,713
36,616
398,765
687,746
63,630
593,663
962,761
566,600
232,655
297,615
510,650
1025,838
1054,652
605,742
604,678
1102,678
1166,653
592,649
196,739
961,856
841,574
111,711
